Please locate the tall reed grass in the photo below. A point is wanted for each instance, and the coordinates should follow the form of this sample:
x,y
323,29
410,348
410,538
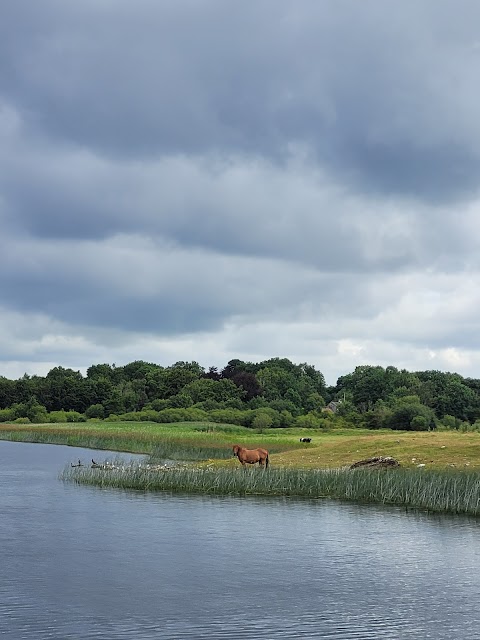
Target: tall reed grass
x,y
82,439
435,491
174,450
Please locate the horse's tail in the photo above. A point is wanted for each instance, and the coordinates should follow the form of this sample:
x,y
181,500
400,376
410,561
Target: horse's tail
x,y
266,461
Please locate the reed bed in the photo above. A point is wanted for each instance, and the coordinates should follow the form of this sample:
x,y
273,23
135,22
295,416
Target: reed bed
x,y
435,491
158,448
175,450
86,440
191,446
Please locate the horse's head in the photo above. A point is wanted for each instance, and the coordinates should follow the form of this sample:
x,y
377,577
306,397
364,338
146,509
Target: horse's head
x,y
236,449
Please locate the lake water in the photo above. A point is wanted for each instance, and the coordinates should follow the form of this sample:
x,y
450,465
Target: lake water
x,y
82,562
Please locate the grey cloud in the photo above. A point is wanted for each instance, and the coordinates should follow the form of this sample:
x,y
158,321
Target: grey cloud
x,y
178,168
383,95
134,285
240,207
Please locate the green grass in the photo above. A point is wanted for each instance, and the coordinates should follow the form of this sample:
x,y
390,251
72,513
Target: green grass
x,y
449,482
442,450
179,441
435,491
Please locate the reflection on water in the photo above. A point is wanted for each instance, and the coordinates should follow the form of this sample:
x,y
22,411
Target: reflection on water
x,y
81,562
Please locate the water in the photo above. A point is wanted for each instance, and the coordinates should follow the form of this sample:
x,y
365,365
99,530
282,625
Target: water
x,y
82,562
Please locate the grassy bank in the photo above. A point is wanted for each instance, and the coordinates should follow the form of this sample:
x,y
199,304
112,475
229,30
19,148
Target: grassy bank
x,y
448,480
442,450
435,491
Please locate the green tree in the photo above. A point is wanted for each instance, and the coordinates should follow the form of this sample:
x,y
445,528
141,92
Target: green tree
x,y
406,414
95,411
262,421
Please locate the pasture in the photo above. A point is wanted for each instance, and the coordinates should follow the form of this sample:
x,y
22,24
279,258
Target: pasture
x,y
212,443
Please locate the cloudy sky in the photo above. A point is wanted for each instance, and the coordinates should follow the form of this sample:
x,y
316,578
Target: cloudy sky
x,y
212,179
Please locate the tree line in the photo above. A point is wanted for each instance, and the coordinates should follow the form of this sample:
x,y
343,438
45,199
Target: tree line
x,y
272,393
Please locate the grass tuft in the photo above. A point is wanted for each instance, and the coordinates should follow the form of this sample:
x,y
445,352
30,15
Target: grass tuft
x,y
435,491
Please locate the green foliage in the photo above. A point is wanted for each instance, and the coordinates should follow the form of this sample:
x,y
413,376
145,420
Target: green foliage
x,y
232,416
75,416
95,411
262,420
57,417
182,415
30,409
180,400
290,394
410,415
310,421
7,415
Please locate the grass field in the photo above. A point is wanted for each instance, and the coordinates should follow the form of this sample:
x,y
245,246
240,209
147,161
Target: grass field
x,y
440,471
438,450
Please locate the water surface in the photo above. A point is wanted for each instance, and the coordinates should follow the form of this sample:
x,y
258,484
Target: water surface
x,y
82,562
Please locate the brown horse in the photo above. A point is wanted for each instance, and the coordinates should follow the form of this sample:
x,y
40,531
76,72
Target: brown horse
x,y
251,456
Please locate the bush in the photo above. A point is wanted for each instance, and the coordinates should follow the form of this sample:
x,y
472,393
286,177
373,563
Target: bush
x,y
232,416
182,415
181,400
449,422
75,416
7,415
410,416
21,421
310,421
419,423
275,416
262,421
57,416
113,417
95,411
157,405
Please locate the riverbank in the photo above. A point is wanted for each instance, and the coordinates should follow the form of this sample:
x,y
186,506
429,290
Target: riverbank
x,y
436,450
434,491
439,472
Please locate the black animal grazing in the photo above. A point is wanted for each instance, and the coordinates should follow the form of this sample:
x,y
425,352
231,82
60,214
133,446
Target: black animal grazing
x,y
305,439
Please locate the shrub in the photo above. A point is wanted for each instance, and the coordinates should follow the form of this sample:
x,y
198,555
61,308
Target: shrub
x,y
449,422
182,415
7,415
21,421
231,416
408,415
309,421
275,416
57,416
113,417
157,405
262,421
75,416
95,411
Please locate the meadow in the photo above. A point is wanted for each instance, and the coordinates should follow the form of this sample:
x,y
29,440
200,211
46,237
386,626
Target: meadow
x,y
336,448
439,472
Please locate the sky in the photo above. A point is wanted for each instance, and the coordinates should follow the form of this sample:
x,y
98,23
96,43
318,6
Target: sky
x,y
209,180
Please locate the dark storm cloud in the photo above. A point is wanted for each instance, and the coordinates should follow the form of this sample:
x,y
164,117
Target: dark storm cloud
x,y
382,93
134,285
272,177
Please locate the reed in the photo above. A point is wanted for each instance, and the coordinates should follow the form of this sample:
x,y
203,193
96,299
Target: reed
x,y
87,440
435,491
182,443
175,450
